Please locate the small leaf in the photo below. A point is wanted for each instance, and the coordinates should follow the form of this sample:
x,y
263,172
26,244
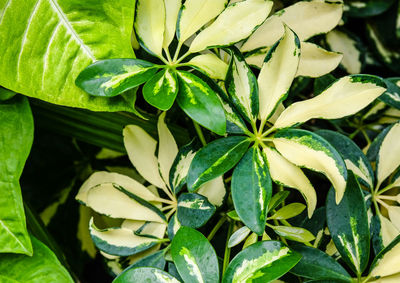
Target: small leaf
x,y
194,256
262,262
297,234
201,103
387,262
251,179
253,13
306,149
277,199
172,8
239,235
344,97
233,215
112,77
145,274
210,63
317,265
288,211
161,90
348,225
215,159
194,210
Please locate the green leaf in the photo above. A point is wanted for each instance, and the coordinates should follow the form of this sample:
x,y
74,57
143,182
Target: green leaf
x,y
387,261
233,215
155,260
348,225
251,179
261,262
306,149
277,199
242,86
288,211
16,136
215,159
194,257
297,234
194,210
239,235
367,8
145,274
6,94
392,95
112,77
315,264
353,156
200,102
53,41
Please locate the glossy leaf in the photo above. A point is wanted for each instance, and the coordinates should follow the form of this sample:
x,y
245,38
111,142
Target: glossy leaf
x,y
16,135
309,150
345,97
194,210
348,225
200,102
55,40
161,90
145,274
297,234
155,260
367,8
277,199
392,95
261,262
211,64
194,256
215,159
288,211
239,235
114,76
387,261
251,179
173,226
214,191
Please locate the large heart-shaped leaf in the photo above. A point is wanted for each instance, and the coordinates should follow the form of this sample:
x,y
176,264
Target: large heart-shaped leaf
x,y
348,225
16,135
251,179
47,43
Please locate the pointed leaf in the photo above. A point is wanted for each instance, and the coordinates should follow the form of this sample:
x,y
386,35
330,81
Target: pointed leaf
x,y
145,274
239,235
277,199
306,149
210,63
251,179
200,102
263,261
297,234
194,257
344,97
172,8
288,211
348,225
215,159
392,95
194,210
277,73
394,215
387,262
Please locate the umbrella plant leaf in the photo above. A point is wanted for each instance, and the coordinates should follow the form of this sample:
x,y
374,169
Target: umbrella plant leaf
x,y
194,210
211,64
297,234
387,261
392,95
172,8
288,211
173,226
145,274
239,235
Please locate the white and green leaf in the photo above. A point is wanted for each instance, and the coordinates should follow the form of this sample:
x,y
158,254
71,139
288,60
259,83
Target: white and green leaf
x,y
145,274
211,64
172,8
387,262
194,210
238,236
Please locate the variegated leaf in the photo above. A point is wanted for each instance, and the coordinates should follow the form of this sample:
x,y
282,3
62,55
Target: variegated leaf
x,y
242,18
173,226
239,235
214,191
172,8
392,95
388,232
263,261
277,73
142,228
394,215
286,173
210,64
145,274
306,149
344,97
194,210
150,25
194,14
387,262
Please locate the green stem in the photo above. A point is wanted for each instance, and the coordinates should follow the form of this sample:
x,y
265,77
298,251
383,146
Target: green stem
x,y
385,189
227,254
178,49
270,130
168,54
182,57
216,228
200,133
366,137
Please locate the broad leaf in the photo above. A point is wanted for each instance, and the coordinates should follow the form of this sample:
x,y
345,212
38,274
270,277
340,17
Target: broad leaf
x,y
55,40
315,264
150,25
286,173
241,84
354,158
200,102
251,179
211,64
392,95
172,8
288,211
16,136
228,28
42,266
194,257
345,97
194,14
215,159
277,73
306,149
387,262
297,234
161,90
114,76
239,235
194,210
145,274
262,262
348,225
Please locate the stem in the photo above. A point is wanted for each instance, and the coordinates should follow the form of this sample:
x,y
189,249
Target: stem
x,y
200,133
168,54
270,130
168,215
216,228
178,49
167,207
366,137
352,135
381,202
393,198
385,189
163,200
183,57
227,254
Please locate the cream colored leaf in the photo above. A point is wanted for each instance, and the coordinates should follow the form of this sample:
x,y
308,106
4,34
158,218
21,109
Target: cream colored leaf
x,y
153,228
286,173
257,59
141,147
172,8
211,64
237,22
388,230
195,14
277,73
345,97
167,149
150,24
214,191
389,264
389,154
389,279
316,61
394,215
